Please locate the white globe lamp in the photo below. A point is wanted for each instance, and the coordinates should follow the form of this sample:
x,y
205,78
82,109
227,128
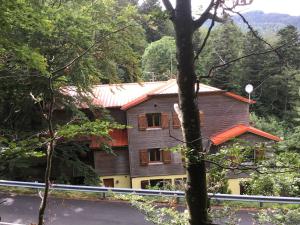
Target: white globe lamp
x,y
249,88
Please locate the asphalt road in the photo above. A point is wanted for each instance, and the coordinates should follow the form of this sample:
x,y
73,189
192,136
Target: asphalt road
x,y
23,210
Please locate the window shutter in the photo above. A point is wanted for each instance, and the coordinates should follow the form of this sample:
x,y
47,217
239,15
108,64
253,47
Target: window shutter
x,y
164,120
166,157
142,120
176,121
201,117
144,158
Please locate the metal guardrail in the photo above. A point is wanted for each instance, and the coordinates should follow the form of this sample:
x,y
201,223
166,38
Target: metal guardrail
x,y
146,192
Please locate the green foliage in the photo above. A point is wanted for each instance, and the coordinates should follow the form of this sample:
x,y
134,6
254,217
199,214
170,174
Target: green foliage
x,y
217,181
165,215
269,124
17,156
224,45
71,162
155,21
158,59
279,176
273,76
96,128
38,39
291,143
278,217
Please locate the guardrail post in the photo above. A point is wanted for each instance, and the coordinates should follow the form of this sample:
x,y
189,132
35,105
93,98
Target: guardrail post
x,y
261,204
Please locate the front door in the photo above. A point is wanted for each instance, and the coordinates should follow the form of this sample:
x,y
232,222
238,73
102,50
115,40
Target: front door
x,y
108,182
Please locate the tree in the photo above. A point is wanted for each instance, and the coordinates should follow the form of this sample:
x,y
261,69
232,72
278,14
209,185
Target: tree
x,y
159,60
275,81
225,44
46,46
185,26
154,20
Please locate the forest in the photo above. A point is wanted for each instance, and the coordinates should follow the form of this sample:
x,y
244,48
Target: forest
x,y
47,45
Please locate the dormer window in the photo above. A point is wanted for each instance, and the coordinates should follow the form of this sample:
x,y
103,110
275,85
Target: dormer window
x,y
153,120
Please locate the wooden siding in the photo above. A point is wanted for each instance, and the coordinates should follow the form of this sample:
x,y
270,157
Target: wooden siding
x,y
221,112
108,164
118,115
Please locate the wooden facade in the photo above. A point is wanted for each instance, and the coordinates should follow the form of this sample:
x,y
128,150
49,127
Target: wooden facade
x,y
211,108
107,164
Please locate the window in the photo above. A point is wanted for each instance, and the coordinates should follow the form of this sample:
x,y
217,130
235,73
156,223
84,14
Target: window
x,y
154,119
180,181
144,184
155,155
156,183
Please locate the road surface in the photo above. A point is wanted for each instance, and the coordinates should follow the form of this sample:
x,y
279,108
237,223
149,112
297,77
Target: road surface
x,y
23,210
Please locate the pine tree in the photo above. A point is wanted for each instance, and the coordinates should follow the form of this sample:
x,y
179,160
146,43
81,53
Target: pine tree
x,y
226,45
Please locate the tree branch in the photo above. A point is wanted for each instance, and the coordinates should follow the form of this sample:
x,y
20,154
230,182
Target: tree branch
x,y
55,73
213,68
207,15
252,30
169,9
208,33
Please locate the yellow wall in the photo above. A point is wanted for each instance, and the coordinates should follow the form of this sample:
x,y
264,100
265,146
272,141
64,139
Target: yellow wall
x,y
123,181
120,181
136,182
234,186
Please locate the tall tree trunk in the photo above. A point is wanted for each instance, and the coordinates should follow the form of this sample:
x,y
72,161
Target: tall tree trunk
x,y
50,150
196,191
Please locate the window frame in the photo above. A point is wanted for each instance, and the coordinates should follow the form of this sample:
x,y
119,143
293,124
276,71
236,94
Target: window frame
x,y
160,161
151,117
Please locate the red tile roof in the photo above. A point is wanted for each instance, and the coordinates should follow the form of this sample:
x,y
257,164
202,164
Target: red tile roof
x,y
127,95
238,130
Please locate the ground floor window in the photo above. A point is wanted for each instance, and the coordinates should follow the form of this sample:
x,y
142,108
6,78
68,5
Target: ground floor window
x,y
179,183
156,183
109,182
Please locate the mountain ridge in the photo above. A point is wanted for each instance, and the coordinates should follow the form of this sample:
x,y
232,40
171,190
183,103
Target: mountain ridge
x,y
267,23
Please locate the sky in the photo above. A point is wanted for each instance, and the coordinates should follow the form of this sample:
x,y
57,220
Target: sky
x,y
291,7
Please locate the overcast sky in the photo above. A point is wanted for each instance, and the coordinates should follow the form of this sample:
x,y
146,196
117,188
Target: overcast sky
x,y
291,7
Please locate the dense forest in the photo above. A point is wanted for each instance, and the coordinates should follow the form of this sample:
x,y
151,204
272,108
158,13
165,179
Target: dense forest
x,y
83,43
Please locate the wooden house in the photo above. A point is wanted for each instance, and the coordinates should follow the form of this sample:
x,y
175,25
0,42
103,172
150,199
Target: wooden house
x,y
148,110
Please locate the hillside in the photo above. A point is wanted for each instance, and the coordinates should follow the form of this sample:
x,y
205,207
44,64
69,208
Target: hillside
x,y
268,23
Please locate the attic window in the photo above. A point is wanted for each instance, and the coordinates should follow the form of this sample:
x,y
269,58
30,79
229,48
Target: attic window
x,y
153,119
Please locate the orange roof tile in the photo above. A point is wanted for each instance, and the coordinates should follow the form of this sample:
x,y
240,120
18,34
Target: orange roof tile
x,y
239,130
